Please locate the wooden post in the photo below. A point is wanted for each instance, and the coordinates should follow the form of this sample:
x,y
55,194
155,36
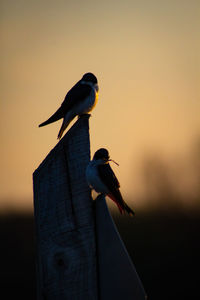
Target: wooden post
x,y
66,249
117,276
80,255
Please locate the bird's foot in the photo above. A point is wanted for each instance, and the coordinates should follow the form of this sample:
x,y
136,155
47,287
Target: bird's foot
x,y
82,115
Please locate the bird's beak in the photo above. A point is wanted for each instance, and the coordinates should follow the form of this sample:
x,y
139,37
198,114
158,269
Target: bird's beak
x,y
114,161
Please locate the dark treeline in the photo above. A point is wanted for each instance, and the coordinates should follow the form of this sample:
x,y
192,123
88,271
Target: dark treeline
x,y
164,248
165,251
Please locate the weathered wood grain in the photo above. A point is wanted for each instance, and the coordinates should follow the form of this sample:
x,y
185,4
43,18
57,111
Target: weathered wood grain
x,y
66,250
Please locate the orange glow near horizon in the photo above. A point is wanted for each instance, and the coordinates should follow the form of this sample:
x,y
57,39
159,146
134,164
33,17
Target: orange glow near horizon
x,y
146,58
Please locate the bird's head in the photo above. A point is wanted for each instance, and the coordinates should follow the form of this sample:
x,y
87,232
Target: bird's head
x,y
103,154
89,77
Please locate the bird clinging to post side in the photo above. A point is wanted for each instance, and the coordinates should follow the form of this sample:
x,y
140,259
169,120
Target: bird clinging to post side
x,y
102,179
81,99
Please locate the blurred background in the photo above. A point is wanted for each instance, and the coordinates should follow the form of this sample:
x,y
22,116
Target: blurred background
x,y
145,55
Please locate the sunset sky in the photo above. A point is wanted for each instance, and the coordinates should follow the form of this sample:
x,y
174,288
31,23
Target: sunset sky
x,y
145,55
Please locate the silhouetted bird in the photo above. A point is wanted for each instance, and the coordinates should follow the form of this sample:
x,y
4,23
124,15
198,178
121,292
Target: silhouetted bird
x,y
81,99
102,179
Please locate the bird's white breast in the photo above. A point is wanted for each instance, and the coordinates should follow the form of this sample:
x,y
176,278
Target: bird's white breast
x,y
89,103
93,179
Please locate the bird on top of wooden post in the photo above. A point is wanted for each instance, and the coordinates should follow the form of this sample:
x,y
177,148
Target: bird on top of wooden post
x,y
80,99
102,179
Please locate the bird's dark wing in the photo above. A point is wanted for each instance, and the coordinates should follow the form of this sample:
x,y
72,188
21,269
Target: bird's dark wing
x,y
108,176
110,180
77,93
